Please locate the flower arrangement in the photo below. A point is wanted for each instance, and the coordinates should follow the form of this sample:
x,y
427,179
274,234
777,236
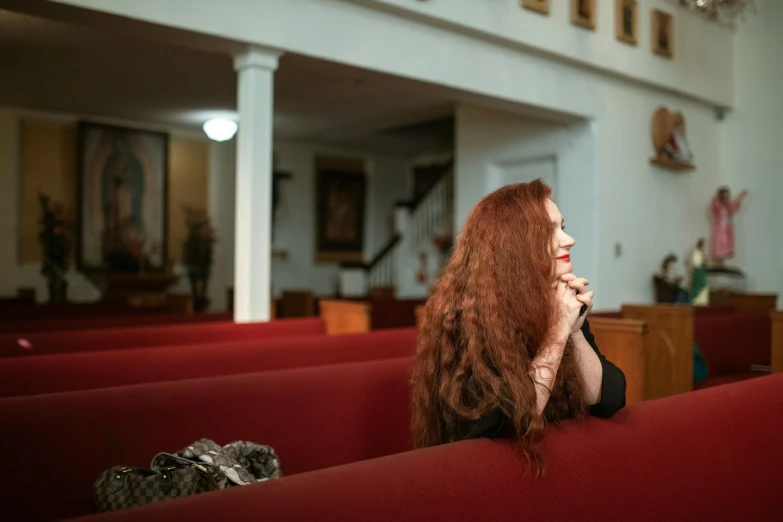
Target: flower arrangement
x,y
197,254
56,245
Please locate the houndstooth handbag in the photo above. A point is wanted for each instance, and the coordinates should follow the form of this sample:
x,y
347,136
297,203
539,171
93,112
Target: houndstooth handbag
x,y
171,477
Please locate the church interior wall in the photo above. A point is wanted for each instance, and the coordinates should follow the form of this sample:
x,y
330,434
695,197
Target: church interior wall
x,y
604,94
39,154
752,148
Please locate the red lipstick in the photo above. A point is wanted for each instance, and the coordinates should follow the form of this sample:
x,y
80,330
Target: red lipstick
x,y
566,258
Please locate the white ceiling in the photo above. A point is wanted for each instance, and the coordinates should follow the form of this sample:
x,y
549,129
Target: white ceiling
x,y
53,66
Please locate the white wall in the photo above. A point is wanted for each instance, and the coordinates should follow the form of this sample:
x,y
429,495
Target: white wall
x,y
753,148
649,211
493,49
489,142
702,46
222,211
607,190
388,181
469,44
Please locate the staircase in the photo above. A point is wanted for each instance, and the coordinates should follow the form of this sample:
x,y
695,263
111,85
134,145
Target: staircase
x,y
418,225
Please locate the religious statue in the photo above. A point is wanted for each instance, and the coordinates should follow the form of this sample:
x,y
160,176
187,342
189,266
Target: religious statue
x,y
723,210
672,150
677,147
700,295
670,282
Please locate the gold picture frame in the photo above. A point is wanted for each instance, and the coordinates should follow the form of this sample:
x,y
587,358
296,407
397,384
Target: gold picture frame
x,y
627,21
583,13
539,6
662,34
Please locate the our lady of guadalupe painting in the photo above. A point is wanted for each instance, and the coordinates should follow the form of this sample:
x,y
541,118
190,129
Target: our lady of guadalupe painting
x,y
122,198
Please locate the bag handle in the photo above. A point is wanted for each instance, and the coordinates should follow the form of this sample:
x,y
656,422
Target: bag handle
x,y
186,463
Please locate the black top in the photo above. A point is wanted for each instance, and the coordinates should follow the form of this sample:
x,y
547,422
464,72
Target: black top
x,y
497,424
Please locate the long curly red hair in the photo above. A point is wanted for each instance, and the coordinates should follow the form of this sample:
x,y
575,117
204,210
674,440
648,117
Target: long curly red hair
x,y
486,319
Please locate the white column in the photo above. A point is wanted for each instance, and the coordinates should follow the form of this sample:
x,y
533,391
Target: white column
x,y
253,240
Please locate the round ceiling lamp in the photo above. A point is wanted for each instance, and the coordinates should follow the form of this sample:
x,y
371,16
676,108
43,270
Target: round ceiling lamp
x,y
220,129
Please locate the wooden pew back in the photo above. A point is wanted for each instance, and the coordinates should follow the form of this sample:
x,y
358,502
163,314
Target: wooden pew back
x,y
668,348
777,340
744,303
343,317
622,341
346,316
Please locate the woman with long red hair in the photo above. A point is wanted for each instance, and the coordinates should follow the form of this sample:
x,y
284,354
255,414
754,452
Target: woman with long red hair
x,y
504,346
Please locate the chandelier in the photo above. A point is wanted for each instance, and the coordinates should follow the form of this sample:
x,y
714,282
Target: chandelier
x,y
724,11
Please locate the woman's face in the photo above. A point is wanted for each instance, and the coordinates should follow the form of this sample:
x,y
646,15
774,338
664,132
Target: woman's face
x,y
561,242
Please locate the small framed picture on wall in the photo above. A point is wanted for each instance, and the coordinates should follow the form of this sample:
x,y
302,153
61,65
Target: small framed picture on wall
x,y
539,6
626,21
583,13
662,34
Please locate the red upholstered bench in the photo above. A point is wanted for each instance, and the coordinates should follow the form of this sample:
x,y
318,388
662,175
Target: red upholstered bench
x,y
91,370
707,455
732,343
58,444
29,310
142,337
122,321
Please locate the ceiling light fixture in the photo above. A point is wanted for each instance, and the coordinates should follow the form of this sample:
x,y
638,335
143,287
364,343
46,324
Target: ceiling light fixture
x,y
220,129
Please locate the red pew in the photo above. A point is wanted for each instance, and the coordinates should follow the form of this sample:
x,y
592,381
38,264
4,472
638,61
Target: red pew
x,y
120,321
731,344
91,370
707,455
313,417
143,337
29,310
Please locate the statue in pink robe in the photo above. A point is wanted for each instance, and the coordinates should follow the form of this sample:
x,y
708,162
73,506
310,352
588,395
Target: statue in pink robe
x,y
723,210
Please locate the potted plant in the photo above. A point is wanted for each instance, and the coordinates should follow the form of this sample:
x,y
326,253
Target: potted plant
x,y
197,255
56,245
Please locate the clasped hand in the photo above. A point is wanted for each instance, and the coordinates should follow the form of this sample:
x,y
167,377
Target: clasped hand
x,y
571,295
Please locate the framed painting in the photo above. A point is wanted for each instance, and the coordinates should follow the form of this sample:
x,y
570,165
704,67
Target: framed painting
x,y
539,6
662,29
626,21
122,198
340,209
583,13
